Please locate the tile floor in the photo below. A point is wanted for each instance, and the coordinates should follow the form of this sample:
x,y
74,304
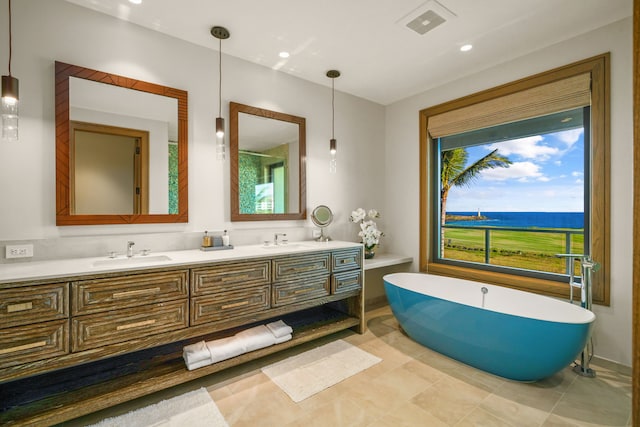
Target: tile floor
x,y
412,386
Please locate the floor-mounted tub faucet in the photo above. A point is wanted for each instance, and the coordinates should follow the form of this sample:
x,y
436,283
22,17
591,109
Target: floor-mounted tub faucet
x,y
130,248
587,268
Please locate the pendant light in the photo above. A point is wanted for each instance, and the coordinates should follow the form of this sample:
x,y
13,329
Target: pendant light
x,y
333,74
220,33
9,99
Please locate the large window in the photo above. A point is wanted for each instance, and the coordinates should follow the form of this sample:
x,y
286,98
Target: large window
x,y
516,174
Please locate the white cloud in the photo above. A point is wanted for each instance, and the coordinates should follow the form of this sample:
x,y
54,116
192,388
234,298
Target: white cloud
x,y
577,173
522,171
528,148
570,137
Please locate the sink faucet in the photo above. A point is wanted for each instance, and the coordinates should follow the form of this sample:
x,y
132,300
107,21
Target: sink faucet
x,y
275,238
130,248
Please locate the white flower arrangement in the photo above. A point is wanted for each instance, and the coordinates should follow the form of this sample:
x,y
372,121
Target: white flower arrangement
x,y
368,228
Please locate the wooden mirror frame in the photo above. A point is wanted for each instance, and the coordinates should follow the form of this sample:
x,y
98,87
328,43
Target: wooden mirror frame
x,y
234,110
63,200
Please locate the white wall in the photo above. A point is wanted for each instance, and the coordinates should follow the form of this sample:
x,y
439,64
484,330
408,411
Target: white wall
x,y
613,325
48,30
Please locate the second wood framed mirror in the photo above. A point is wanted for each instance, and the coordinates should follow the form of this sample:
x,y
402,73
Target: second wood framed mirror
x,y
267,156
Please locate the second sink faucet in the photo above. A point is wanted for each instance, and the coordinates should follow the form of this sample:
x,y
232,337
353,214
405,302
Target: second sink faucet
x,y
275,238
130,248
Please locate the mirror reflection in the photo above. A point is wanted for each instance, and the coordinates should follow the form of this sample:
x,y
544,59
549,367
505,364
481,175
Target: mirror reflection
x,y
122,144
267,161
121,149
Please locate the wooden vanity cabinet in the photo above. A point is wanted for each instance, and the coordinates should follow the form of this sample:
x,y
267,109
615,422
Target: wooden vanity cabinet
x,y
152,313
34,323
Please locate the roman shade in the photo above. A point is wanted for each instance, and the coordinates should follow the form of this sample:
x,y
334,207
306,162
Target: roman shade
x,y
554,97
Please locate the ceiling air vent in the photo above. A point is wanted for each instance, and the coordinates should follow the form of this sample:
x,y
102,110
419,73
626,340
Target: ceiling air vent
x,y
425,18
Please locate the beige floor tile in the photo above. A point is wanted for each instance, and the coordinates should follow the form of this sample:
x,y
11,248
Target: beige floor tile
x,y
408,415
450,399
596,401
481,418
510,410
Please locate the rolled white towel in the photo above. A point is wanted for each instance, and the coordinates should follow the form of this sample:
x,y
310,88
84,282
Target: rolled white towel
x,y
195,365
225,348
195,353
282,339
256,338
279,328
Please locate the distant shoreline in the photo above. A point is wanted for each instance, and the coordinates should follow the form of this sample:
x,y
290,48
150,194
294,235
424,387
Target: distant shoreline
x,y
465,217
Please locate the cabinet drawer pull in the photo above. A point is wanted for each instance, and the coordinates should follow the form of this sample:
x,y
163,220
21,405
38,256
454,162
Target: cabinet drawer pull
x,y
138,292
234,277
19,307
235,304
23,347
136,324
350,282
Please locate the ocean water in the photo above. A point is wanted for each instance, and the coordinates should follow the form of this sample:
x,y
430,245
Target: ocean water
x,y
523,219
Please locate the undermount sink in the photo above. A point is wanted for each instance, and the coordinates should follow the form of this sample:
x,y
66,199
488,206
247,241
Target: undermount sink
x,y
284,246
136,260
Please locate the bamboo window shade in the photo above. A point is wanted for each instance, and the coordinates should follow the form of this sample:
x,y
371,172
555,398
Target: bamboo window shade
x,y
560,95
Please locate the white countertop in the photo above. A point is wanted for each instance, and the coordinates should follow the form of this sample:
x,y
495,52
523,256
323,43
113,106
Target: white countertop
x,y
59,268
385,260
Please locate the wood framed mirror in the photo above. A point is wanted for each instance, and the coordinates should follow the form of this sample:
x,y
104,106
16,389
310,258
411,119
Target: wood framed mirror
x,y
121,149
267,164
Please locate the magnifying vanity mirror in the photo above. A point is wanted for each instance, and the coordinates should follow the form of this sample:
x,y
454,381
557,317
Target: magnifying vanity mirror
x,y
267,164
121,149
322,217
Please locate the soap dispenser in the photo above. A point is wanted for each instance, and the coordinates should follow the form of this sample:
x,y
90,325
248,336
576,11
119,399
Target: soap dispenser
x,y
225,239
206,240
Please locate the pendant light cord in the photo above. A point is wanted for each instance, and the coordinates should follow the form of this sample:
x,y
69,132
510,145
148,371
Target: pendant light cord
x,y
10,41
333,108
219,80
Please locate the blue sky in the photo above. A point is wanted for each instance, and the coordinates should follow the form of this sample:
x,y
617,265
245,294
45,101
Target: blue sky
x,y
546,175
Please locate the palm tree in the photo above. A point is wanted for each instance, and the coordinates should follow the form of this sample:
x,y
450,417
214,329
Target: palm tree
x,y
455,174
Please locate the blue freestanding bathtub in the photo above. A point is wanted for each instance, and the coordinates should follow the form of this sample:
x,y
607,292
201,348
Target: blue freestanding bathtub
x,y
510,333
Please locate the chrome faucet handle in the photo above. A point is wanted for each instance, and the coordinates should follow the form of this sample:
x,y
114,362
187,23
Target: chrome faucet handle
x,y
275,238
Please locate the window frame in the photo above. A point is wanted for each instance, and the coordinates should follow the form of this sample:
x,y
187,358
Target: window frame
x,y
599,206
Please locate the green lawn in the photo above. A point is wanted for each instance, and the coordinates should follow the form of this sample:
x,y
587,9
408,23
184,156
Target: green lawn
x,y
522,249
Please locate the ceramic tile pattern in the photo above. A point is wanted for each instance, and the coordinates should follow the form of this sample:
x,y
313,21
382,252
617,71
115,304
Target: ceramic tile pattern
x,y
412,386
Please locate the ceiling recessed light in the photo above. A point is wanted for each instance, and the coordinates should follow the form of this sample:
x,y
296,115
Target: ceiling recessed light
x,y
283,54
466,48
135,1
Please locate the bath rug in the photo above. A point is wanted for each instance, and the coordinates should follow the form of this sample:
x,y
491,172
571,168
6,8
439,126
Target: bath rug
x,y
192,409
308,373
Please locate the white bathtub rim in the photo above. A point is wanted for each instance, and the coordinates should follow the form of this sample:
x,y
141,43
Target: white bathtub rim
x,y
498,298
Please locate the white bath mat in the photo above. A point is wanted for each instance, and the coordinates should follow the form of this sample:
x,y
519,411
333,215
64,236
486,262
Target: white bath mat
x,y
193,409
308,373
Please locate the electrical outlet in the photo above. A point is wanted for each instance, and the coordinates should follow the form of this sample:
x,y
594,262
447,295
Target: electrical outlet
x,y
19,251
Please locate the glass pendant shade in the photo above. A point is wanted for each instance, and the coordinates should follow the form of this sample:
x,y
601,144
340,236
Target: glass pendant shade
x,y
9,108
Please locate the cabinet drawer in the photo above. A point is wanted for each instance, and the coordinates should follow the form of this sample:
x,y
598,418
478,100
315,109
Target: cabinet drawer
x,y
97,330
34,304
300,290
30,343
230,304
346,260
91,296
297,266
346,282
230,276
